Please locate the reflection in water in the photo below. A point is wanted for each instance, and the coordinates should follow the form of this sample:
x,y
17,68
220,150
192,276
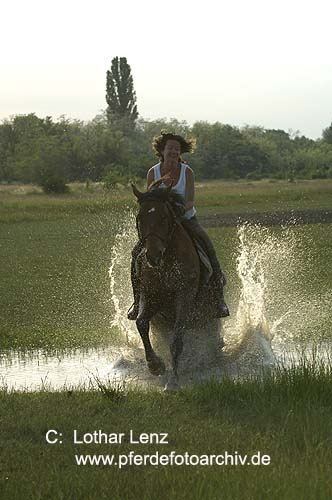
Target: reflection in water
x,y
38,370
257,336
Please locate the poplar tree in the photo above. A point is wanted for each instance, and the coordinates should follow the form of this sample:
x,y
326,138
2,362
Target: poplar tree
x,y
120,93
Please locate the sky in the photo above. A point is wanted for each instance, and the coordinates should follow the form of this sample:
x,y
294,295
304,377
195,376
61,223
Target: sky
x,y
239,62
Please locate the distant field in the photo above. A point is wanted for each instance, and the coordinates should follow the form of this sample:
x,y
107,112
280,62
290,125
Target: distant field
x,y
20,203
263,196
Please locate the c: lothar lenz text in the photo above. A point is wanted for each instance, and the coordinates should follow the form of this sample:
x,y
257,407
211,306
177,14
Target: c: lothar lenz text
x,y
100,437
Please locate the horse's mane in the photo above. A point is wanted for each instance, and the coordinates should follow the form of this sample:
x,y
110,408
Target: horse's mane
x,y
162,194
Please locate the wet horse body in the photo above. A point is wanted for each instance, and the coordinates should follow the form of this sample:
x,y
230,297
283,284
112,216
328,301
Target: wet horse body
x,y
169,276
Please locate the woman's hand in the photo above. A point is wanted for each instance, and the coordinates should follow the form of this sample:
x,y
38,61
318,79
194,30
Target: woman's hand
x,y
190,189
180,209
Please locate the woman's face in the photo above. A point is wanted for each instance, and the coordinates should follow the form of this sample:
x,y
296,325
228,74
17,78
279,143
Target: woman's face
x,y
172,150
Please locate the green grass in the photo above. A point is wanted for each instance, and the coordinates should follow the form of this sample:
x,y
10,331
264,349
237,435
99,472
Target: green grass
x,y
286,415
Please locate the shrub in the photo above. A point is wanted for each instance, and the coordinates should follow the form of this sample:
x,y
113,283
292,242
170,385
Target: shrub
x,y
54,184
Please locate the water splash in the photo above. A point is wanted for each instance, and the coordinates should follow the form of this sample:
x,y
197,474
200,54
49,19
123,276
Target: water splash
x,y
247,336
120,285
275,305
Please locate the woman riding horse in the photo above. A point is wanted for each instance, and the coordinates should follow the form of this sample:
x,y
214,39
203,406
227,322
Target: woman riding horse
x,y
180,177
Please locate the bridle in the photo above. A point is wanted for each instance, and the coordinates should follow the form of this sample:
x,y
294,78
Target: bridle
x,y
165,241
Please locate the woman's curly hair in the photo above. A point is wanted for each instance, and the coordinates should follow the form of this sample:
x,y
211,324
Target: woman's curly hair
x,y
159,143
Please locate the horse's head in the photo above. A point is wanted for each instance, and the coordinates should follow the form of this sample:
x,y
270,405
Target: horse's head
x,y
155,222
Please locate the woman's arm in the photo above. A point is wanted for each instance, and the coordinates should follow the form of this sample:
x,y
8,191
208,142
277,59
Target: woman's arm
x,y
190,189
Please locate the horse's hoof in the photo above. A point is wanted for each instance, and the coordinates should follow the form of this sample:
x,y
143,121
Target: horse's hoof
x,y
172,384
133,312
222,310
156,366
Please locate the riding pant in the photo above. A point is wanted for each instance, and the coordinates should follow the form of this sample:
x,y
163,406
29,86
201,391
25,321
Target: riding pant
x,y
196,231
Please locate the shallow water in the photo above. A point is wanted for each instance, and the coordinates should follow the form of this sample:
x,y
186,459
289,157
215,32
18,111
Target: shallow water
x,y
39,371
260,335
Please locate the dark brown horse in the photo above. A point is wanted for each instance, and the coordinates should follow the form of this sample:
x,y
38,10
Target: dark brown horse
x,y
169,275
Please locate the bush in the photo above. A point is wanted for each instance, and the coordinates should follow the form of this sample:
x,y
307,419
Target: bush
x,y
54,184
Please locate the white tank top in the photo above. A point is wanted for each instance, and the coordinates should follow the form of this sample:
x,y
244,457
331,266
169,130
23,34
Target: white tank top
x,y
179,188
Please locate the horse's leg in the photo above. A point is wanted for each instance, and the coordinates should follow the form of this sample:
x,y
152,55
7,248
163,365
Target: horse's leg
x,y
155,364
183,310
176,350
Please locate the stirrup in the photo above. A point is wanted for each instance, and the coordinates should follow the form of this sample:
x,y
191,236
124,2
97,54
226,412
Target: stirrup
x,y
132,312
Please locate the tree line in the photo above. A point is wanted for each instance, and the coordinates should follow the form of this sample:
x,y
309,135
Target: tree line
x,y
115,147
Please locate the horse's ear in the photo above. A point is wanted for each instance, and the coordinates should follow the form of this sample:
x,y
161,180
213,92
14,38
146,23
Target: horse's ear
x,y
136,192
169,188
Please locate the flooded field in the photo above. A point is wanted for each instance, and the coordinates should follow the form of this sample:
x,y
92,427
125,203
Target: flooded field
x,y
279,292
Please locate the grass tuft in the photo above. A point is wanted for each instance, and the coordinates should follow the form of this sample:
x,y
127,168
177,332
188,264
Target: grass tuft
x,y
114,389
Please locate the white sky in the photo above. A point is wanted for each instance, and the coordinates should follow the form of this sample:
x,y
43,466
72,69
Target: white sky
x,y
239,62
